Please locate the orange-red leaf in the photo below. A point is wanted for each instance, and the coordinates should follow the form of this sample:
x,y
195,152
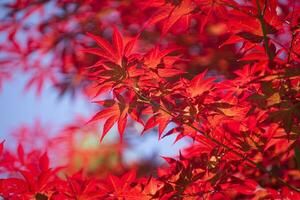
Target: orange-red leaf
x,y
107,125
106,46
118,43
121,126
169,72
129,46
183,9
99,52
21,153
150,123
199,84
44,162
104,114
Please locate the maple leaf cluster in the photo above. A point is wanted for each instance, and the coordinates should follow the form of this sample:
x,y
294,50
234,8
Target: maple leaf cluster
x,y
222,73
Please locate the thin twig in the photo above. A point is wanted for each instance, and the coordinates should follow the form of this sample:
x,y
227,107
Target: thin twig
x,y
264,30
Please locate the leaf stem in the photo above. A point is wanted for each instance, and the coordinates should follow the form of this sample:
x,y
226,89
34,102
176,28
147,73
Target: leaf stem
x,y
264,30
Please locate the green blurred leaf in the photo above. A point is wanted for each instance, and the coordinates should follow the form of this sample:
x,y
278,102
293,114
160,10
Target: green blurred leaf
x,y
290,72
40,196
267,88
297,156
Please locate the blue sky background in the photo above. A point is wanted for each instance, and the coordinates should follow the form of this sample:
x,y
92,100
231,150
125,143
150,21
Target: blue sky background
x,y
20,107
24,107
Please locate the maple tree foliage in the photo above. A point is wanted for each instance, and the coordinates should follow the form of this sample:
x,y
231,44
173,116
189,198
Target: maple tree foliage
x,y
222,73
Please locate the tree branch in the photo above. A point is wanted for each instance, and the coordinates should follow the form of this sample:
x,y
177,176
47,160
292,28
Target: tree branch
x,y
257,165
